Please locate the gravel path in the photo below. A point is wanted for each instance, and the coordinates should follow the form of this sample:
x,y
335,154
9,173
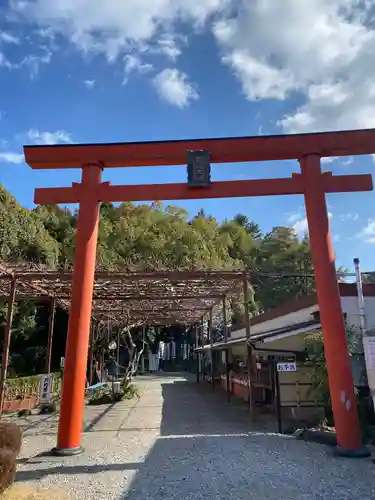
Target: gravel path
x,y
181,443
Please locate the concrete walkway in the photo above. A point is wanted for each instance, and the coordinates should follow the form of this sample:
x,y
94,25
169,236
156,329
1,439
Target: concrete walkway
x,y
180,442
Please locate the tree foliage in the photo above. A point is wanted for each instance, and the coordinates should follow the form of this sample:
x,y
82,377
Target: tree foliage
x,y
146,237
314,346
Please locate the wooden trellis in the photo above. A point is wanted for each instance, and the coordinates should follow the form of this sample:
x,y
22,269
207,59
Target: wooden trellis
x,y
122,297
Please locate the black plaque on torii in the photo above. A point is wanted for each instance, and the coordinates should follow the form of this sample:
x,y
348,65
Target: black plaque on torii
x,y
198,168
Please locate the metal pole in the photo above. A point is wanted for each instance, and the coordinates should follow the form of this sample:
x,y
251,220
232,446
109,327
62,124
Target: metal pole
x,y
361,302
225,321
248,347
8,333
51,323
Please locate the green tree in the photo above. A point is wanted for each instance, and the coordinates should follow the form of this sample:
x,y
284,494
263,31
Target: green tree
x,y
154,237
314,346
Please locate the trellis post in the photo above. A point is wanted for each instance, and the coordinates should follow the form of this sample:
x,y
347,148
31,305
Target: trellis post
x,y
227,370
7,337
51,323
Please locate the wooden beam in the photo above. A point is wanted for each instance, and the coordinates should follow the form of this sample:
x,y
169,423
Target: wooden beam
x,y
222,150
159,310
123,298
172,276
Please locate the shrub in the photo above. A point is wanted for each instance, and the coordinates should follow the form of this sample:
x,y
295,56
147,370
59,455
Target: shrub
x,y
101,396
104,395
24,413
129,390
22,387
48,408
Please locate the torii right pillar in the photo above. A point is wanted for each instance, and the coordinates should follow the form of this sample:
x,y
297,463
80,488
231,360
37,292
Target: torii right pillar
x,y
344,404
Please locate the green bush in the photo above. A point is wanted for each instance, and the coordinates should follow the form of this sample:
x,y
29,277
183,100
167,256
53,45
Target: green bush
x,y
314,346
101,396
104,396
48,408
129,390
23,387
24,413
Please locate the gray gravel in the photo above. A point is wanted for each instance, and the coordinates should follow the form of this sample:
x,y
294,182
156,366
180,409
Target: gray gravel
x,y
180,442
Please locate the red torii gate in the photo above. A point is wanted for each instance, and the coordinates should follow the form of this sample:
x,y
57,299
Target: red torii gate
x,y
311,182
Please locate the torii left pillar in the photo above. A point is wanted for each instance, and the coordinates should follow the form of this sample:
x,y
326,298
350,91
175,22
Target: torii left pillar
x,y
76,354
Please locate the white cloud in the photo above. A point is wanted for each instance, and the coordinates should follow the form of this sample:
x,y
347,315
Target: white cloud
x,y
9,38
4,63
173,86
48,138
298,222
134,63
321,49
168,45
33,62
115,27
300,226
10,157
350,216
368,232
89,83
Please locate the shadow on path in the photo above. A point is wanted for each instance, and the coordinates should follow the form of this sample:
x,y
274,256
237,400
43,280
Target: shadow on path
x,y
205,448
89,427
209,449
190,409
33,475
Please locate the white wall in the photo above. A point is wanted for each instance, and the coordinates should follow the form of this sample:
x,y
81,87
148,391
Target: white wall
x,y
349,306
288,319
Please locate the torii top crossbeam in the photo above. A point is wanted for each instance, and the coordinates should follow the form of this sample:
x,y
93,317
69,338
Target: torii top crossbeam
x,y
222,150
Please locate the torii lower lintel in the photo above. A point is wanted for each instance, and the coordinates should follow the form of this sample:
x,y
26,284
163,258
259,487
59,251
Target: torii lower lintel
x,y
226,189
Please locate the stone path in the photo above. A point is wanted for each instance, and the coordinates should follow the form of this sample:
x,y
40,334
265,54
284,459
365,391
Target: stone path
x,y
178,442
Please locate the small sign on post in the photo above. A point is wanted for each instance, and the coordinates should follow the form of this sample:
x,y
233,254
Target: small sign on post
x,y
62,362
286,367
45,395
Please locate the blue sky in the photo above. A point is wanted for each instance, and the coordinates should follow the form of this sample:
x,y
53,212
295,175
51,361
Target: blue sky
x,y
80,71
